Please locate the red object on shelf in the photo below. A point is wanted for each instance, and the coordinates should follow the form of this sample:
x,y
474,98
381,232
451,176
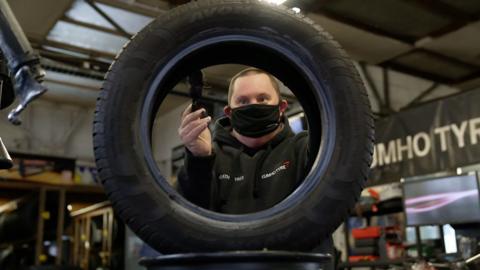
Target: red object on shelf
x,y
362,258
394,251
368,232
374,194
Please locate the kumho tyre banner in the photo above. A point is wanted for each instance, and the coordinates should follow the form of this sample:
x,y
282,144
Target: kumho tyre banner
x,y
435,137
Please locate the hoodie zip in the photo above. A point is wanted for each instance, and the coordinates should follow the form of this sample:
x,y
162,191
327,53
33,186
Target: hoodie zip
x,y
257,171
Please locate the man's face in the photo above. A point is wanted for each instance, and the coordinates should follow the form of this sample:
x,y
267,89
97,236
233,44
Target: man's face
x,y
253,89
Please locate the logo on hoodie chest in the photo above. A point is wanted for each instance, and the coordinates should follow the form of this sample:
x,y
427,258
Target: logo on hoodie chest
x,y
282,167
227,177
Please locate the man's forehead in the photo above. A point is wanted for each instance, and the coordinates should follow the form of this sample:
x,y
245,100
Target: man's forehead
x,y
258,82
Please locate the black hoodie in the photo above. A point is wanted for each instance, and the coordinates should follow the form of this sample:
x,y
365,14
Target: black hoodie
x,y
236,179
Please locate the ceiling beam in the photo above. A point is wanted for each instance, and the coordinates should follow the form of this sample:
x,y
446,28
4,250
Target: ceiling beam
x,y
90,52
367,27
108,18
386,89
430,76
417,73
73,60
75,85
372,86
472,76
459,19
135,7
423,94
93,26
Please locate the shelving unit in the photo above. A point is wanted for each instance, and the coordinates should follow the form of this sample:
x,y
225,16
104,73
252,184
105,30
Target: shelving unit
x,y
383,208
83,244
63,194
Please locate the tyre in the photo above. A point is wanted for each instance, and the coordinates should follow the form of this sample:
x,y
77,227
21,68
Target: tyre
x,y
249,32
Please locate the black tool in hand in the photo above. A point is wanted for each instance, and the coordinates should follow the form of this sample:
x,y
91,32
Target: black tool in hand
x,y
196,87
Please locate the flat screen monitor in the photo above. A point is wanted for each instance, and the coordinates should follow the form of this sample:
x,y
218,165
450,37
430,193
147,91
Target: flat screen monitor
x,y
448,200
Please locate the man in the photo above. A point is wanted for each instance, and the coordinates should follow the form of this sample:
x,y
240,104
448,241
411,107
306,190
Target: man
x,y
255,160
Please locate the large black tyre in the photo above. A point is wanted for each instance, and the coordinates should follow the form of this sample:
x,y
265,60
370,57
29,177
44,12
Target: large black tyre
x,y
250,32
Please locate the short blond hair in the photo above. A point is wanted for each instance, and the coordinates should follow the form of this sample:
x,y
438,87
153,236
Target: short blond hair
x,y
250,71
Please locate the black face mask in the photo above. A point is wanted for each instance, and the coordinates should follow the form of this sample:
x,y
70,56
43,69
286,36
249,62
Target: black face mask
x,y
255,120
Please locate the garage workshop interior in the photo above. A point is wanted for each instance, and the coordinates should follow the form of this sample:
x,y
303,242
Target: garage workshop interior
x,y
239,134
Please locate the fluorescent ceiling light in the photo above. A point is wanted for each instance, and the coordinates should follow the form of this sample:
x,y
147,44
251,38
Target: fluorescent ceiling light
x,y
276,2
296,9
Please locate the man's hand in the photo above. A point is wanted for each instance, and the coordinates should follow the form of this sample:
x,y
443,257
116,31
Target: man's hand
x,y
194,132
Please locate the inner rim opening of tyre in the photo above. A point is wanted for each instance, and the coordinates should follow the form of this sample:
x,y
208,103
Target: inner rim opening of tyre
x,y
283,64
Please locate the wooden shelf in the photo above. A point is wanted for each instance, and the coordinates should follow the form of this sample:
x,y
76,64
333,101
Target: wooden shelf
x,y
29,185
90,208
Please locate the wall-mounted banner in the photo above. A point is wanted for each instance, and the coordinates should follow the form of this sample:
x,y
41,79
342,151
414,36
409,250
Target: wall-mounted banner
x,y
437,136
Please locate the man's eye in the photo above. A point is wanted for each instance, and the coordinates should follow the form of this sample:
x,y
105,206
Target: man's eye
x,y
243,101
262,99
